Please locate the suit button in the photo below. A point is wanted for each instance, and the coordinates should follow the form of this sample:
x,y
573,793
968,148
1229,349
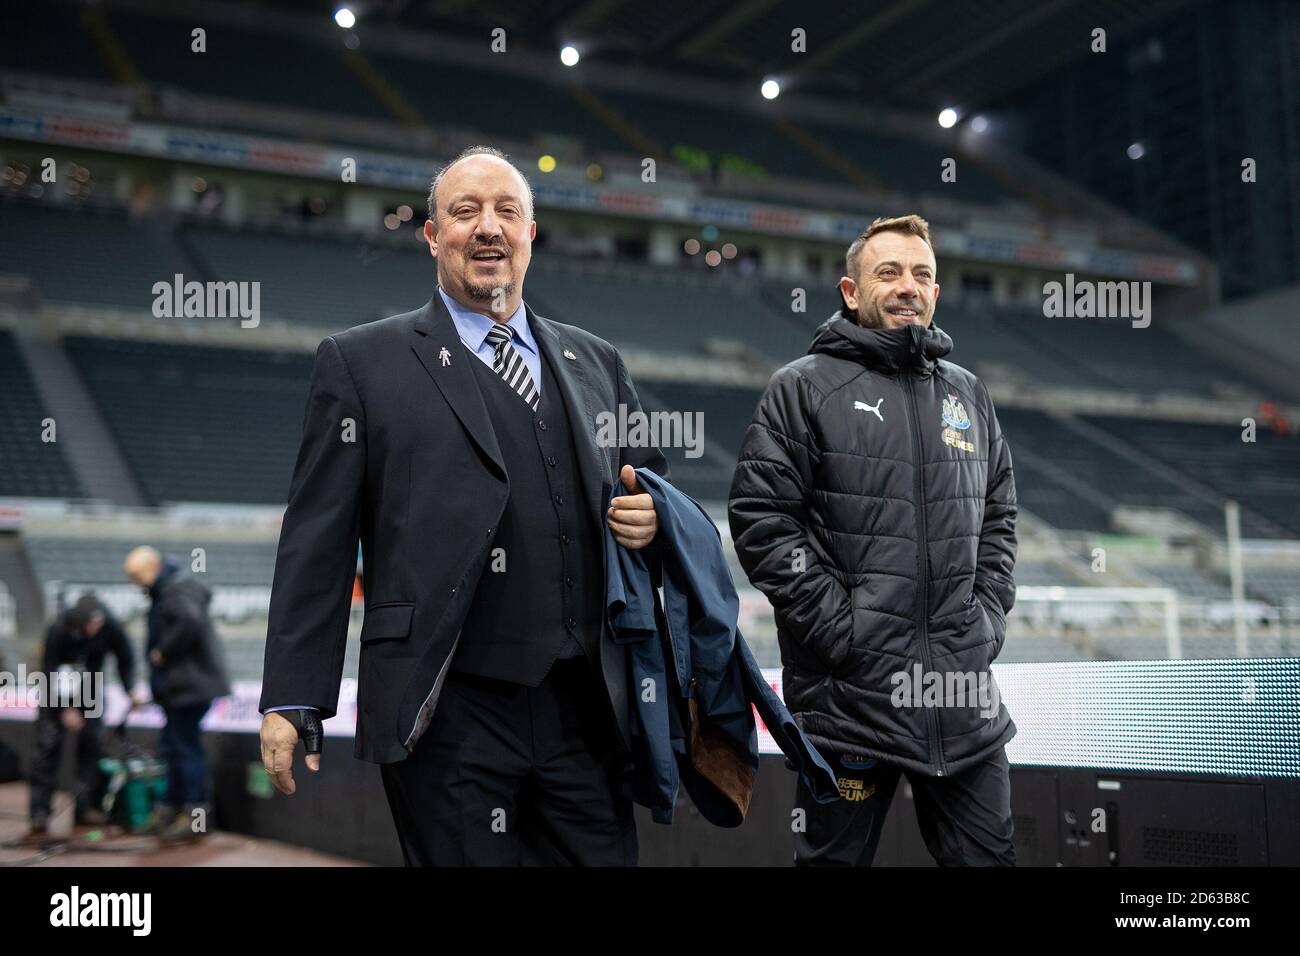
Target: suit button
x,y
564,538
541,424
570,623
559,499
550,460
489,533
569,581
453,590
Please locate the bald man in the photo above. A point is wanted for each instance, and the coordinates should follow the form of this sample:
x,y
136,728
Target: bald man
x,y
459,443
187,672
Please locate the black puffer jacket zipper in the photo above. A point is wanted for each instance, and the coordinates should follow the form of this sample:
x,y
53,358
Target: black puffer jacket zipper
x,y
907,380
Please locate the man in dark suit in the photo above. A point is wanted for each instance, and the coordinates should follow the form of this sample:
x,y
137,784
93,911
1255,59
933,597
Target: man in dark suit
x,y
459,442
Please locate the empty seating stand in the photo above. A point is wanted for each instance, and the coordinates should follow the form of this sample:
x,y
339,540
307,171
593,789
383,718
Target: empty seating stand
x,y
726,413
1278,586
87,255
98,561
333,282
1112,477
1114,353
665,310
1263,476
29,467
196,423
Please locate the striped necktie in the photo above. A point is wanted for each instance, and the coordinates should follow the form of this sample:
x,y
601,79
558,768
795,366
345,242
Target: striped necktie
x,y
510,365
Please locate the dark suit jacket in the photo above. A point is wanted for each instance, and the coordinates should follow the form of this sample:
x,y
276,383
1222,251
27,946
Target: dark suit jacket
x,y
398,450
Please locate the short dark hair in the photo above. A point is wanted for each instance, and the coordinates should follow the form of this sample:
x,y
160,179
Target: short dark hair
x,y
87,606
913,225
466,154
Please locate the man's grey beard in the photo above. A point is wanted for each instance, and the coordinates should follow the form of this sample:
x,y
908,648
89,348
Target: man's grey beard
x,y
485,293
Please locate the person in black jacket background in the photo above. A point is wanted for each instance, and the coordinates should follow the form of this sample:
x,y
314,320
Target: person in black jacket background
x,y
79,641
187,673
874,505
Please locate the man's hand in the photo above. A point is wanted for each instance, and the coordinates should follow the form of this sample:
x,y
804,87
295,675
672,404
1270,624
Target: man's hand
x,y
73,719
138,699
632,517
279,737
156,658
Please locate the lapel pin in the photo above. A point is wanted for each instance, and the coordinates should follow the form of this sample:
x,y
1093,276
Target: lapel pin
x,y
445,356
570,355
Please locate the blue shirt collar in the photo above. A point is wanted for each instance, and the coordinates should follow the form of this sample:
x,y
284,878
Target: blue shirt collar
x,y
473,326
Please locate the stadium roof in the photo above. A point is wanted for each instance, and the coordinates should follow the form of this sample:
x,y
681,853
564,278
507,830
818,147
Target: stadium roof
x,y
916,54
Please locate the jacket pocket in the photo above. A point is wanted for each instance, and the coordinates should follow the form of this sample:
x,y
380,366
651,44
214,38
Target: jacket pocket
x,y
984,625
997,626
828,651
385,622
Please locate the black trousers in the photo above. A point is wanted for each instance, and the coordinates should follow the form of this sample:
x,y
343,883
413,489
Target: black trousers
x,y
965,819
45,763
509,775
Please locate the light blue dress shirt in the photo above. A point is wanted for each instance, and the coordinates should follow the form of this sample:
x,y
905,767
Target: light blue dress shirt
x,y
473,329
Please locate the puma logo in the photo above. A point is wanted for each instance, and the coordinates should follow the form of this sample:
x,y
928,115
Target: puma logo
x,y
874,409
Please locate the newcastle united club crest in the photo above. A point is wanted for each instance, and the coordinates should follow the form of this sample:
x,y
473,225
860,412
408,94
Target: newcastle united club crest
x,y
957,421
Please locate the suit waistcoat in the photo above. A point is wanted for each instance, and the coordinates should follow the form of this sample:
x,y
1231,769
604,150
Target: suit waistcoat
x,y
544,580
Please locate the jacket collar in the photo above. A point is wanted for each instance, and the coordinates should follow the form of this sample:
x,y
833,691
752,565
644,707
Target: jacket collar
x,y
165,575
437,345
885,350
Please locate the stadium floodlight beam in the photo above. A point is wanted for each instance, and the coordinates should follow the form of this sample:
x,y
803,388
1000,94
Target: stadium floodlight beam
x,y
1136,151
948,117
770,89
979,124
345,18
570,56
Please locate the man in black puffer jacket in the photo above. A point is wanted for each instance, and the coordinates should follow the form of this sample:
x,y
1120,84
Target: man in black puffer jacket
x,y
874,505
